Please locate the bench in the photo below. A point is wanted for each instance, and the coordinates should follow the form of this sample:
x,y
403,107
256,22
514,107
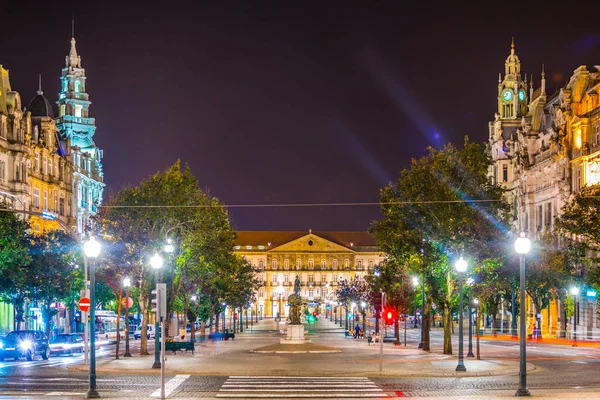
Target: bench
x,y
175,346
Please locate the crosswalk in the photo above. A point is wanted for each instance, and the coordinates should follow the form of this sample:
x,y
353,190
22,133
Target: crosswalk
x,y
52,362
300,387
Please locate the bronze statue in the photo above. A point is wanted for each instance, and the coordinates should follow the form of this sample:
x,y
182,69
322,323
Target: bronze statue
x,y
295,302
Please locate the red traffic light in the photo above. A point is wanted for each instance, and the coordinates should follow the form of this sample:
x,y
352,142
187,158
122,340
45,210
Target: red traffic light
x,y
314,313
389,316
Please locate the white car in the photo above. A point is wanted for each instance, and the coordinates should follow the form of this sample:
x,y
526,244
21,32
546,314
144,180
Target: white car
x,y
149,332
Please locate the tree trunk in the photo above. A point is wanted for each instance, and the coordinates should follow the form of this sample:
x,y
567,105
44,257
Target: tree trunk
x,y
397,330
217,322
426,323
203,329
538,310
563,322
447,318
145,321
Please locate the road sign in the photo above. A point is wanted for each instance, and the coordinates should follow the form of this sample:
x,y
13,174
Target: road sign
x,y
84,304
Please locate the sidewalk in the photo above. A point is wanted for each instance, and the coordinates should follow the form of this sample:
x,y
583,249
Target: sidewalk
x,y
227,358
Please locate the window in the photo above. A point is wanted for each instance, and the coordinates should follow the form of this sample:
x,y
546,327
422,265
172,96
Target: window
x,y
311,263
310,293
286,263
37,162
45,199
274,264
261,293
261,264
61,206
36,198
274,278
334,263
55,201
17,175
371,264
597,134
61,110
45,165
346,263
548,219
77,86
323,278
539,218
357,276
298,263
334,278
318,291
359,264
50,166
323,263
2,170
311,278
65,85
504,172
286,278
578,180
78,109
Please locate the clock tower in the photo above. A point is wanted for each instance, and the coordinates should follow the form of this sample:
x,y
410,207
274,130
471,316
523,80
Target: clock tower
x,y
512,90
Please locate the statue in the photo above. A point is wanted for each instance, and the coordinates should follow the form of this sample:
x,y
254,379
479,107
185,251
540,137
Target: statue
x,y
295,302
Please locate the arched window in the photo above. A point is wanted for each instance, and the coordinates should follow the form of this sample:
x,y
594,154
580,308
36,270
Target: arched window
x,y
298,263
261,264
274,264
371,264
334,263
323,263
346,263
65,85
286,263
77,86
359,264
311,263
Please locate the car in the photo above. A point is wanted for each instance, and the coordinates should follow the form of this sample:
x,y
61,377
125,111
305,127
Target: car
x,y
66,343
28,344
149,332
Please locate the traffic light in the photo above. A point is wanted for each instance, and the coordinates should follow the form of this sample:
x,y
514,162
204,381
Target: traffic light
x,y
158,301
314,313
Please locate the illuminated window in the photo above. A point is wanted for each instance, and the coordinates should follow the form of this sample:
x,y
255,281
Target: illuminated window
x,y
36,198
45,166
261,264
359,264
65,85
346,263
274,278
311,263
311,278
323,278
286,263
45,199
334,263
298,263
77,86
61,112
286,278
578,139
248,247
50,166
310,293
274,264
323,263
371,264
78,109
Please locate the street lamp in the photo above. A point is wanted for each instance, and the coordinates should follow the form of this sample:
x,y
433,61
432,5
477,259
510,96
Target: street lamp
x,y
92,248
574,292
522,246
461,267
470,283
415,282
156,262
363,305
126,285
280,291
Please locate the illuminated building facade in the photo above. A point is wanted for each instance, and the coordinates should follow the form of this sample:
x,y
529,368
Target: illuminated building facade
x,y
76,126
320,259
544,149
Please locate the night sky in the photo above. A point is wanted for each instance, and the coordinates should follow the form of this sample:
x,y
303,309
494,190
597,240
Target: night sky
x,y
282,104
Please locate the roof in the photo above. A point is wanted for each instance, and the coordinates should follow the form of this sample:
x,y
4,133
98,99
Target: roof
x,y
277,238
40,107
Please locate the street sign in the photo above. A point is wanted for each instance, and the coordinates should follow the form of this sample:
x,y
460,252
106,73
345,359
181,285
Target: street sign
x,y
84,304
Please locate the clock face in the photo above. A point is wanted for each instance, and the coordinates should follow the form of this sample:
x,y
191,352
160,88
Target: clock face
x,y
521,95
507,95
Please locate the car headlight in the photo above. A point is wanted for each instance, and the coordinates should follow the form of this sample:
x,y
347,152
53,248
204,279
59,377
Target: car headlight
x,y
25,345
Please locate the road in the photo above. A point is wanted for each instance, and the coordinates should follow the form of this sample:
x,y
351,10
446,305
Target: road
x,y
559,367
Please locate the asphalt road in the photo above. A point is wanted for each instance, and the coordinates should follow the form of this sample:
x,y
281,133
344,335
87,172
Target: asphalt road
x,y
558,367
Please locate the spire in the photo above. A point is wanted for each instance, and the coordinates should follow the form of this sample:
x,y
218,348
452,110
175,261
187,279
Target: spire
x,y
73,58
499,77
543,80
40,85
531,88
512,46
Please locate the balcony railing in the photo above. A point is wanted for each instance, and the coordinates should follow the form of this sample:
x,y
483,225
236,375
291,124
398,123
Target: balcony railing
x,y
75,120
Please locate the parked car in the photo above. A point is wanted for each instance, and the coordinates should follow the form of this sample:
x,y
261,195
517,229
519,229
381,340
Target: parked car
x,y
26,344
66,343
149,332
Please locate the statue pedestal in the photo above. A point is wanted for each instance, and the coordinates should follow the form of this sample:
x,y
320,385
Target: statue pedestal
x,y
295,335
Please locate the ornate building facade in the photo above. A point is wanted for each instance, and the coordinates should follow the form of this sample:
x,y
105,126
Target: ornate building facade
x,y
321,260
545,148
75,125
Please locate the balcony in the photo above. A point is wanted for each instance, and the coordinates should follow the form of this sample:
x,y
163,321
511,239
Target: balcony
x,y
75,120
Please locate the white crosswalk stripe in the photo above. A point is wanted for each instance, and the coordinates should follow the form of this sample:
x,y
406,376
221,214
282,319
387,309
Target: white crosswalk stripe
x,y
299,387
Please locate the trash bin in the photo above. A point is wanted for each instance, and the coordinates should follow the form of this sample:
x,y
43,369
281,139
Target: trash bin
x,y
481,332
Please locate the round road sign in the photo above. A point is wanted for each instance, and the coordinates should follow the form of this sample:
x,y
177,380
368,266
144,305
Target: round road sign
x,y
84,304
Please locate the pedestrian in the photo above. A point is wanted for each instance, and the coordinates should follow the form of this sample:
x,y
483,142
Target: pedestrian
x,y
357,331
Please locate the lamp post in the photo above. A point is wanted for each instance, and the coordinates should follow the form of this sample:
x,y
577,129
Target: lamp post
x,y
156,262
224,314
575,292
280,291
363,305
461,267
126,285
415,282
470,282
522,247
476,302
92,248
169,249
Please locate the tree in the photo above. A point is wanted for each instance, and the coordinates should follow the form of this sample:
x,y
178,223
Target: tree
x,y
14,259
442,207
50,272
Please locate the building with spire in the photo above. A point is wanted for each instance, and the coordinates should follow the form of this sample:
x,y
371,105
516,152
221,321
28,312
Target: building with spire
x,y
76,126
545,148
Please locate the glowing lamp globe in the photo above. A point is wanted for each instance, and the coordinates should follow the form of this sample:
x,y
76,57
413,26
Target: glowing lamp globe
x,y
522,244
91,248
126,282
574,290
156,261
415,281
461,265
